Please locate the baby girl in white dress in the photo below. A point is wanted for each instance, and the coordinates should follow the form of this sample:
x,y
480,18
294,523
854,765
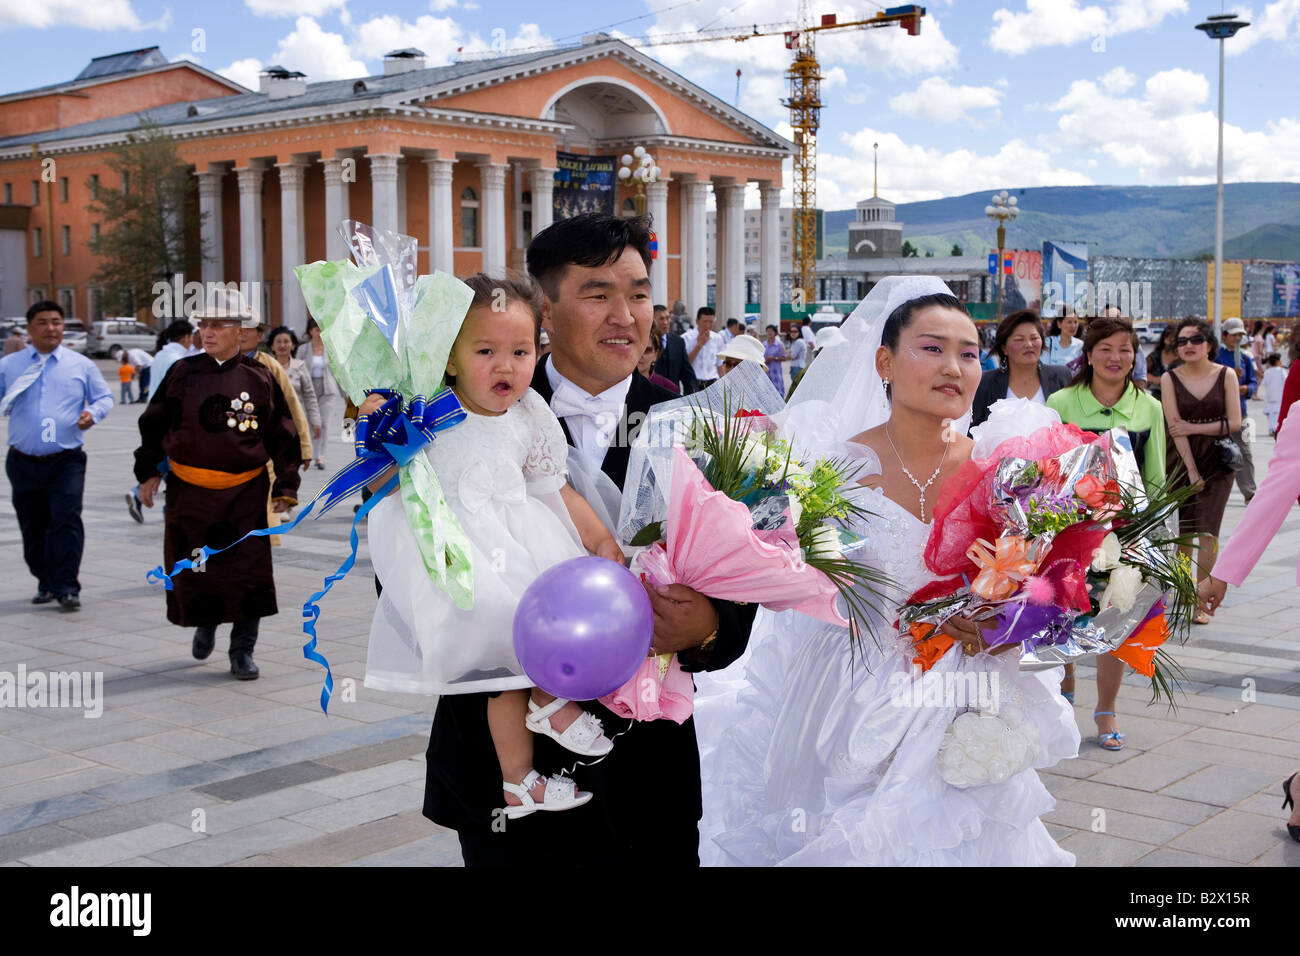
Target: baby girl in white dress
x,y
503,473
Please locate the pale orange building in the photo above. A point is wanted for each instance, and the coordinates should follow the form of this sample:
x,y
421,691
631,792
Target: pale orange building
x,y
463,157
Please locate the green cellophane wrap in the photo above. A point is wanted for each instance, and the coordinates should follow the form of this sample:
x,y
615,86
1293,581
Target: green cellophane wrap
x,y
361,358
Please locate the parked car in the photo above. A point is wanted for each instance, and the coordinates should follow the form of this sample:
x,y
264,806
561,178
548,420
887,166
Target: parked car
x,y
74,335
1148,332
110,336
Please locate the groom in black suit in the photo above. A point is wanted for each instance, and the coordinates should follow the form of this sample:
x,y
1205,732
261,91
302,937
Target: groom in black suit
x,y
594,273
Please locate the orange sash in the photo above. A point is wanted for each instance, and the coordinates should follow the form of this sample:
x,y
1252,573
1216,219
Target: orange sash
x,y
210,478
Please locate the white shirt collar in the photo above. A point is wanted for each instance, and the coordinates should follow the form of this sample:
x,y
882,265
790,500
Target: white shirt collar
x,y
610,396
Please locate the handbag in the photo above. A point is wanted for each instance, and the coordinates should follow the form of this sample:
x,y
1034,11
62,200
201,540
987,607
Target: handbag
x,y
1227,454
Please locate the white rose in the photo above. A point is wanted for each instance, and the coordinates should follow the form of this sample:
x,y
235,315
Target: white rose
x,y
826,543
753,455
1122,588
1106,558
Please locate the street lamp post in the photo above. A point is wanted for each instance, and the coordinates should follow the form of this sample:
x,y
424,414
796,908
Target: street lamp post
x,y
1003,208
637,170
1220,26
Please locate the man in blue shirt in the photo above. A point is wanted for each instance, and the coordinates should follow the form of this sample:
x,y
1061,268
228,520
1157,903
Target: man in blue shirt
x,y
51,395
1234,357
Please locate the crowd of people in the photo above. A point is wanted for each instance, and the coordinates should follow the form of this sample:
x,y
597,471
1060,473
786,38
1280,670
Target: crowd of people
x,y
232,422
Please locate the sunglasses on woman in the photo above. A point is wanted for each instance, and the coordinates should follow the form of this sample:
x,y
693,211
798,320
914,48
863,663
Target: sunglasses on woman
x,y
1197,339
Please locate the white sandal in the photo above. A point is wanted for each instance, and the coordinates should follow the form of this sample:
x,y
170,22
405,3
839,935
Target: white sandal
x,y
561,794
584,736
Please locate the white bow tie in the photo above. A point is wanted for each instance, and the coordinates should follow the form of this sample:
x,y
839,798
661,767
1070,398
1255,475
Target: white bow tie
x,y
603,409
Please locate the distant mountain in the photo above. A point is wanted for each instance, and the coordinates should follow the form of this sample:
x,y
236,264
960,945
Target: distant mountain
x,y
1273,241
1161,221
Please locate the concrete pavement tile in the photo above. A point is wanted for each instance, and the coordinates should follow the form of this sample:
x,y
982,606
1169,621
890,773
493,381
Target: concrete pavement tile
x,y
1096,849
44,767
356,842
168,808
136,757
371,779
219,849
440,849
1231,835
1256,719
360,809
195,745
1222,786
1286,853
266,720
1247,741
36,840
363,758
1267,803
47,788
16,751
1228,756
262,859
1094,794
1116,823
225,817
137,861
120,846
1148,771
309,728
277,778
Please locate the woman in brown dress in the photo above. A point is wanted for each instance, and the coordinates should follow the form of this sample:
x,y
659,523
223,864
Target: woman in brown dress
x,y
1201,406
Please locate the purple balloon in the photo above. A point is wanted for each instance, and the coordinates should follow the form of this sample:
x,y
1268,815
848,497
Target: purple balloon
x,y
583,628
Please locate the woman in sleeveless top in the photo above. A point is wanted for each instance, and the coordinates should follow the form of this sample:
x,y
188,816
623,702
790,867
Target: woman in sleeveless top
x,y
1200,400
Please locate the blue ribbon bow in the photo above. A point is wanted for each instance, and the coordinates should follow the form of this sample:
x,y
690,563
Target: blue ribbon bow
x,y
393,435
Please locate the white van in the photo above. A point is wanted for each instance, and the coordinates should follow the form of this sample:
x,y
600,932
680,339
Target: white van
x,y
111,336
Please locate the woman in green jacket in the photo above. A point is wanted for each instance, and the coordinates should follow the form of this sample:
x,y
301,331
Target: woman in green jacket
x,y
1102,396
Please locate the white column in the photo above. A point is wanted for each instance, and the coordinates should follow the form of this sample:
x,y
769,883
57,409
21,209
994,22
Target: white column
x,y
695,265
541,183
770,257
336,208
730,270
383,189
656,195
293,245
492,212
250,228
214,259
441,258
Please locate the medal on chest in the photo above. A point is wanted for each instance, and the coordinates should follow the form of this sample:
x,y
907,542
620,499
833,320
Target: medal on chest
x,y
241,414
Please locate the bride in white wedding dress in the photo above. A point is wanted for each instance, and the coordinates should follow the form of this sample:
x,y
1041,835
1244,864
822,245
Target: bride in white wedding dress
x,y
817,754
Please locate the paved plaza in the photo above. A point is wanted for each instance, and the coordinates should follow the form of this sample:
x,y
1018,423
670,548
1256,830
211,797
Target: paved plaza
x,y
187,766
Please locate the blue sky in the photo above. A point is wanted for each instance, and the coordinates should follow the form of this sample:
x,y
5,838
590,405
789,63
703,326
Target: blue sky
x,y
991,95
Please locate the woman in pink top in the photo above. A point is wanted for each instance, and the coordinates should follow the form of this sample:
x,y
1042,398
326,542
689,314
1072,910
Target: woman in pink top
x,y
1263,517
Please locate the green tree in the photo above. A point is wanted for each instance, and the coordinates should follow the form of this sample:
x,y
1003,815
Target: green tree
x,y
929,254
147,221
909,250
956,250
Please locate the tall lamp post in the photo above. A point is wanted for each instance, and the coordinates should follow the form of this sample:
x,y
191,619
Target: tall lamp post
x,y
1220,26
637,170
1004,207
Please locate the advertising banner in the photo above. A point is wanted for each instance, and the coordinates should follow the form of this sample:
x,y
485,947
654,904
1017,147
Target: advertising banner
x,y
1064,269
584,184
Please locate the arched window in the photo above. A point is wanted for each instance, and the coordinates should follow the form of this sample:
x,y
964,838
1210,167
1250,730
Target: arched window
x,y
629,209
469,218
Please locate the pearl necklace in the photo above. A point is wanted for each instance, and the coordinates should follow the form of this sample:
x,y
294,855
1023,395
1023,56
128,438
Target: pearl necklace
x,y
912,478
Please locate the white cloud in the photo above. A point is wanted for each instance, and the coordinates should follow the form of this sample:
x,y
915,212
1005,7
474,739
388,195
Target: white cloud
x,y
910,172
437,6
321,55
105,15
1170,133
1118,80
441,38
1064,22
293,8
1280,21
939,101
244,72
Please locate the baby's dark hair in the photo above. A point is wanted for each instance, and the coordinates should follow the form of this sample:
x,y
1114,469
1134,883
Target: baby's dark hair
x,y
901,317
497,294
1274,358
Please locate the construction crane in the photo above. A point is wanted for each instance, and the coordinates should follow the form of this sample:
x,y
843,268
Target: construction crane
x,y
804,104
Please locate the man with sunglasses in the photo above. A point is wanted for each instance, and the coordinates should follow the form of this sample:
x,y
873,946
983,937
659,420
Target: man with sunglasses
x,y
218,418
1236,358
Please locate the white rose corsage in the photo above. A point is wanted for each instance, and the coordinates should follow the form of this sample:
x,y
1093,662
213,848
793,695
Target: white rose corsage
x,y
981,747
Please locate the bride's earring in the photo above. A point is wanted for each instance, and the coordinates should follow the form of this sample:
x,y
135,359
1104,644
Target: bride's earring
x,y
886,383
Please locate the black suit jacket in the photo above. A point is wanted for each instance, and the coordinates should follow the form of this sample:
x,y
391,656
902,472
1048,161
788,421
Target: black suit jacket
x,y
674,365
993,387
646,801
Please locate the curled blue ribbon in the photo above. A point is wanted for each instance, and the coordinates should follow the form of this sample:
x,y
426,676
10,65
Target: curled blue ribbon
x,y
393,435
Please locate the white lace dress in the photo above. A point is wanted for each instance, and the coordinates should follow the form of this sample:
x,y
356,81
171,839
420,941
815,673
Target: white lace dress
x,y
501,475
812,760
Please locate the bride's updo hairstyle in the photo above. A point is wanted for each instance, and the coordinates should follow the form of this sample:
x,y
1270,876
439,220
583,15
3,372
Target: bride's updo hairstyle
x,y
902,316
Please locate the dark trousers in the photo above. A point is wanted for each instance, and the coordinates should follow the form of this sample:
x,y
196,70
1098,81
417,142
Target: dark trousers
x,y
243,635
144,384
47,499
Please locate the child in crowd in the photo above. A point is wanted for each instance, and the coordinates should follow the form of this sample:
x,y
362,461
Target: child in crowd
x,y
1274,380
503,473
126,375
